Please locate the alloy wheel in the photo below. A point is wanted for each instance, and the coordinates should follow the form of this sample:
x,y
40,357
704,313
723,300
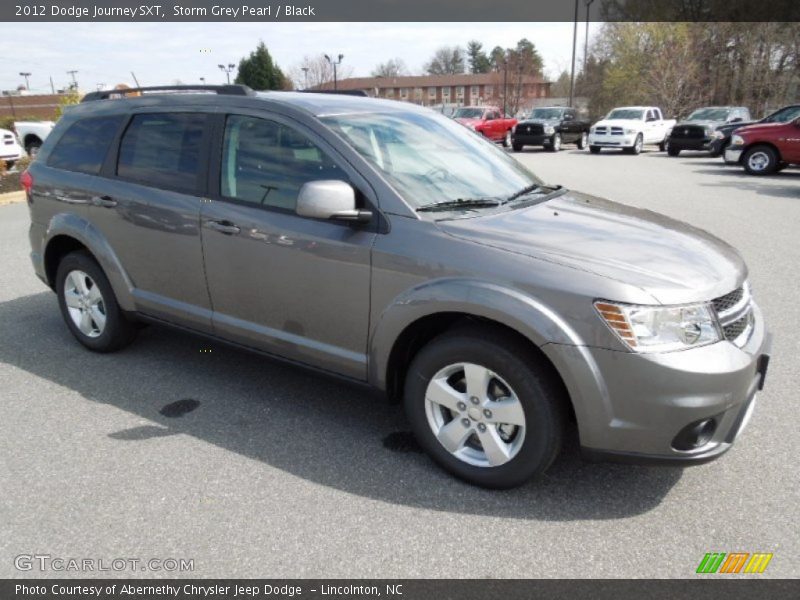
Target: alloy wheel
x,y
85,303
475,415
758,161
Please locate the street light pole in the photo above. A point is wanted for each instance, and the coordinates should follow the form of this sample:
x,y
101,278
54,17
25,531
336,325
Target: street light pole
x,y
574,45
334,64
27,85
586,43
74,81
227,70
305,76
505,86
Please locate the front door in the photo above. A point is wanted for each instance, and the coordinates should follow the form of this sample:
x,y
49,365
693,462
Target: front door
x,y
289,285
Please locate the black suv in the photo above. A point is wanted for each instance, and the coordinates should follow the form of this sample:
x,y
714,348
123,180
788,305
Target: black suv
x,y
697,131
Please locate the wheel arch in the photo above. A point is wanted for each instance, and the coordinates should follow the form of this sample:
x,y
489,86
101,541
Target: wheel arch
x,y
30,139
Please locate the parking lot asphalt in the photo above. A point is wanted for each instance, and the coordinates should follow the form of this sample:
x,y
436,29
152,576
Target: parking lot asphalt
x,y
272,471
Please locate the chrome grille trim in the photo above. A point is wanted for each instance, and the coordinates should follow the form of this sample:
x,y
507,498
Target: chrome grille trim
x,y
735,315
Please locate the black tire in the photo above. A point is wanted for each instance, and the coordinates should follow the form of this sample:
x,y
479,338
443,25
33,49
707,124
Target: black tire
x,y
583,141
673,151
517,147
662,146
555,143
32,148
594,149
507,139
118,331
537,388
770,160
637,146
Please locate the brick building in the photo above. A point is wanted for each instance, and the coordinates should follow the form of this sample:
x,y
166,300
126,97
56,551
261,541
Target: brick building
x,y
462,90
18,107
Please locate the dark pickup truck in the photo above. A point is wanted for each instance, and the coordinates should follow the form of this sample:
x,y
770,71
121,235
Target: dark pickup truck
x,y
697,131
550,127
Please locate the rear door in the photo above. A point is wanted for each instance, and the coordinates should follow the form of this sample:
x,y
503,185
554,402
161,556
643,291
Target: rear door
x,y
290,285
149,210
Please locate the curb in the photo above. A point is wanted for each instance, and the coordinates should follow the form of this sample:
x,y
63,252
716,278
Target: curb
x,y
12,197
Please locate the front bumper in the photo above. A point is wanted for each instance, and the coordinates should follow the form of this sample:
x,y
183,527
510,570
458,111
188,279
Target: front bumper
x,y
532,140
612,141
631,407
733,156
690,143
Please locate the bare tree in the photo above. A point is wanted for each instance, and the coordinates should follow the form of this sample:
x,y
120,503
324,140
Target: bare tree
x,y
316,72
394,67
447,60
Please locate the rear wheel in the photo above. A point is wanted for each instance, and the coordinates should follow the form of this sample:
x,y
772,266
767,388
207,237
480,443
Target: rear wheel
x,y
32,147
594,149
484,408
760,160
89,306
583,141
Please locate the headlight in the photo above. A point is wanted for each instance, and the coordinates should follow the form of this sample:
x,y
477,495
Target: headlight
x,y
549,130
591,130
709,131
736,140
630,131
661,328
718,135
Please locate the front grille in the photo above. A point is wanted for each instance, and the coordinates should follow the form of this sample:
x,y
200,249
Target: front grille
x,y
600,130
688,132
534,129
616,131
735,314
728,301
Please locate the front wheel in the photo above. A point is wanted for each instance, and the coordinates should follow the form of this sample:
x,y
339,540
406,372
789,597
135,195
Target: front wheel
x,y
760,160
507,139
583,141
637,145
672,151
484,408
89,306
516,147
555,142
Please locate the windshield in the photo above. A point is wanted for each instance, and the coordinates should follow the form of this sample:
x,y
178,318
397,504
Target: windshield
x,y
428,158
546,113
709,114
468,113
625,113
784,115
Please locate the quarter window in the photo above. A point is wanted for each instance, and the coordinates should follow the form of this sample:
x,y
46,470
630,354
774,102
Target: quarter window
x,y
84,145
266,163
162,150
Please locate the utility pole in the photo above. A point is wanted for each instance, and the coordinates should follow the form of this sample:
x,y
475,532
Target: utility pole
x,y
574,45
203,80
305,75
52,86
334,64
27,84
586,44
74,81
505,86
227,70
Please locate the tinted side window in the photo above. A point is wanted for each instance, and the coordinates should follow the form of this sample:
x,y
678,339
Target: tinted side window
x,y
162,150
84,145
267,163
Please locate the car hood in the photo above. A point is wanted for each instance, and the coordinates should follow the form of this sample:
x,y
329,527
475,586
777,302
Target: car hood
x,y
712,124
468,122
539,122
761,128
670,260
629,123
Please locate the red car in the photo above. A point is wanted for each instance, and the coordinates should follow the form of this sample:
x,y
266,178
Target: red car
x,y
765,148
488,121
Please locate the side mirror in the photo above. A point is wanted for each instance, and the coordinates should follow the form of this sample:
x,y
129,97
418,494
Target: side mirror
x,y
737,120
797,122
330,199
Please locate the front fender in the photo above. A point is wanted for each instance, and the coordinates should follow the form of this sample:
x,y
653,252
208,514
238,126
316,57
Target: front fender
x,y
79,228
527,315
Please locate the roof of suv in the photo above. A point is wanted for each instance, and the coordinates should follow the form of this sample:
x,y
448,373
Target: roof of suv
x,y
318,104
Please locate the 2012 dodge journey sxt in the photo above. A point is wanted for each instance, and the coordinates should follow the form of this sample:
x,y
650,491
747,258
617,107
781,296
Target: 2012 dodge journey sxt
x,y
382,242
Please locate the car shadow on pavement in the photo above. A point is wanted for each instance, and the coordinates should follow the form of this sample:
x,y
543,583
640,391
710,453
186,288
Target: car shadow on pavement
x,y
785,184
314,427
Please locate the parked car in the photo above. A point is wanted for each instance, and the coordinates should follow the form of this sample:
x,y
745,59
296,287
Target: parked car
x,y
550,127
32,134
766,147
487,121
722,136
10,150
696,132
386,244
630,128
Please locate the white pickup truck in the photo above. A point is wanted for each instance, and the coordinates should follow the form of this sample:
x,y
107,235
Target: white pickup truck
x,y
630,128
32,134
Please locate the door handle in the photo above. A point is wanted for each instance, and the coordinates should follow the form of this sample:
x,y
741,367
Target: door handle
x,y
225,227
104,201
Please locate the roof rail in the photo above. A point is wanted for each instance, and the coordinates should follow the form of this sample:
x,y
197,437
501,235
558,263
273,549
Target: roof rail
x,y
342,92
223,90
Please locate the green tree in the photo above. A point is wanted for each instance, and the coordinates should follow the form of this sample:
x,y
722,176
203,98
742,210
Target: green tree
x,y
68,99
477,59
259,72
447,60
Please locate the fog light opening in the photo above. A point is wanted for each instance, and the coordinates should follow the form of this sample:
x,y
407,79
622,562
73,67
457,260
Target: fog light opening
x,y
695,435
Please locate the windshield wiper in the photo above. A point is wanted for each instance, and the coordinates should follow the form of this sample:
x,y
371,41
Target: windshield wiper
x,y
530,189
460,203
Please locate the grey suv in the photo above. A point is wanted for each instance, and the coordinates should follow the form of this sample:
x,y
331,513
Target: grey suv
x,y
386,244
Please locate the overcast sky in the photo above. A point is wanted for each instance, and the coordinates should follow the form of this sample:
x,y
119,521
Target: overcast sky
x,y
160,53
